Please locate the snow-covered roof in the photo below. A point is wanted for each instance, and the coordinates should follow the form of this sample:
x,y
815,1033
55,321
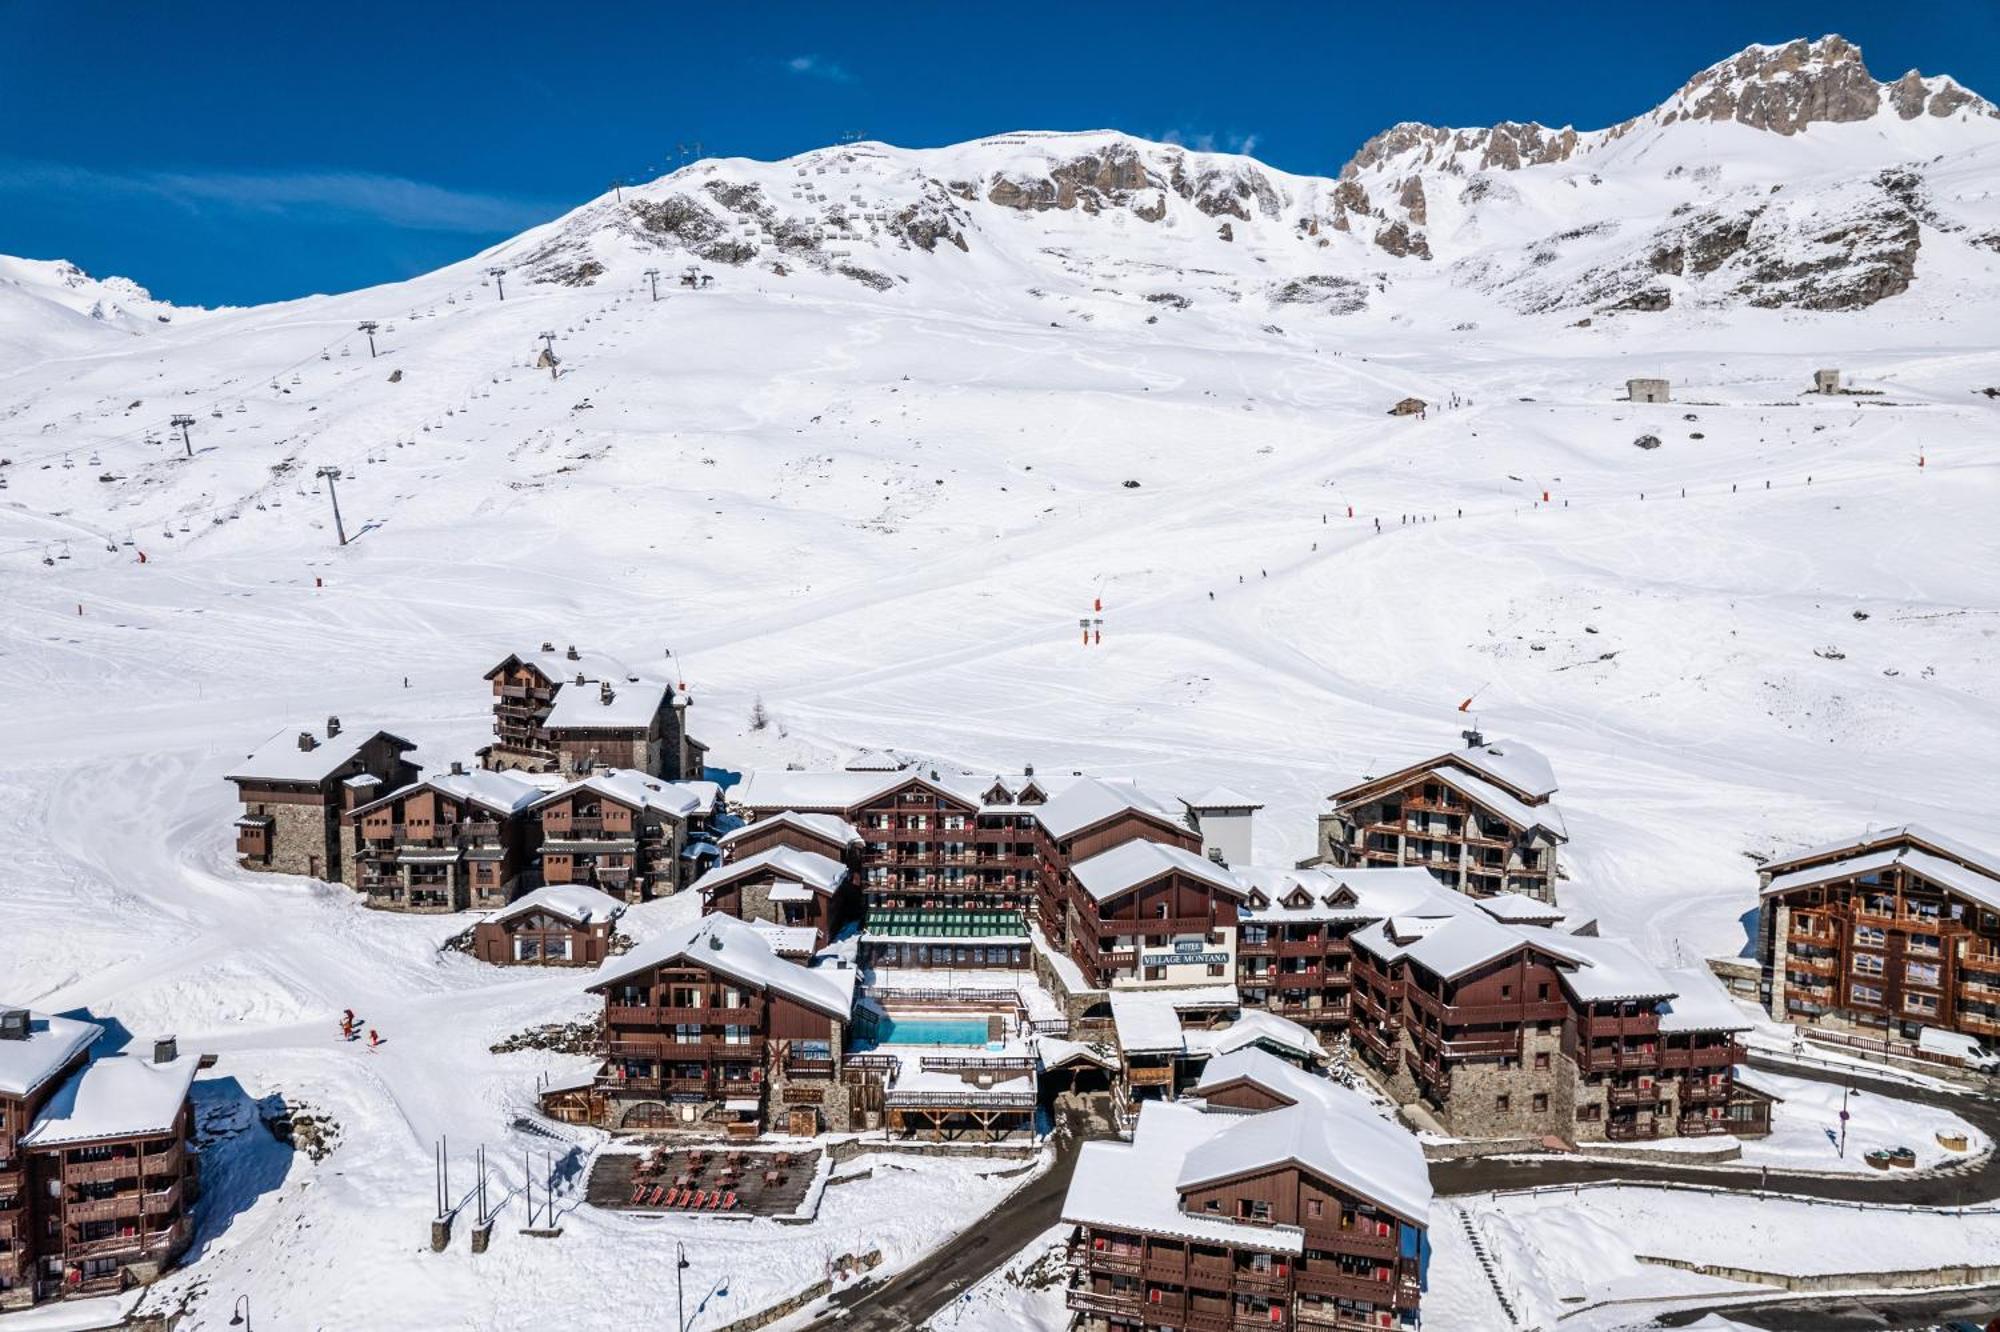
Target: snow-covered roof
x,y
828,827
1091,800
810,869
1255,1028
52,1042
1333,1132
788,940
560,667
1509,807
1056,1051
640,790
499,792
1520,909
1449,943
1130,864
575,902
1699,1003
1970,883
1145,1023
1222,797
1612,970
120,1096
873,760
781,789
1890,837
279,758
1133,1186
632,705
1280,1077
1507,772
1514,765
741,951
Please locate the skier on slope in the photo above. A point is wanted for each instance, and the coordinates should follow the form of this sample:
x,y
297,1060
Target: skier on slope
x,y
374,1040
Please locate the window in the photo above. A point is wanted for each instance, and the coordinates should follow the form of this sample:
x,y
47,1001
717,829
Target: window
x,y
1589,1113
1870,936
1925,943
1540,1103
1315,1208
1864,994
1156,973
1503,1103
1921,973
1920,1003
1253,1209
1541,1059
1506,992
1868,964
1542,990
1215,969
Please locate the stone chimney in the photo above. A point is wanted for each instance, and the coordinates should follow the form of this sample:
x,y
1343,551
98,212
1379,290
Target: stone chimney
x,y
332,727
547,646
13,1024
307,741
166,1049
604,694
1473,739
457,768
571,654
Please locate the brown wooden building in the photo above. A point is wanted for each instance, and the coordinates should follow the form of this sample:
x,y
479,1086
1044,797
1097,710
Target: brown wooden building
x,y
954,866
1893,931
1150,913
1481,819
571,712
785,886
97,1176
453,840
295,788
706,1025
630,834
558,925
1284,1200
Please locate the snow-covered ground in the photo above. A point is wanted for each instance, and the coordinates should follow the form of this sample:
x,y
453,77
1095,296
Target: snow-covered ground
x,y
882,513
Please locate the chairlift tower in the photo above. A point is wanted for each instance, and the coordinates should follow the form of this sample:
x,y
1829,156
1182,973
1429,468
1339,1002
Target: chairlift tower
x,y
549,352
654,275
331,475
369,326
499,280
181,423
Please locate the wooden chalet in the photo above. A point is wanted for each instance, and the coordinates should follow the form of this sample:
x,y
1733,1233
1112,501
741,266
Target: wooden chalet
x,y
296,787
707,1026
572,712
1280,1200
630,834
558,925
1481,819
1151,913
97,1177
800,889
1891,931
450,841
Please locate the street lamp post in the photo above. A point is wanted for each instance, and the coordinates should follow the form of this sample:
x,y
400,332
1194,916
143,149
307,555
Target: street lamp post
x,y
680,1266
241,1318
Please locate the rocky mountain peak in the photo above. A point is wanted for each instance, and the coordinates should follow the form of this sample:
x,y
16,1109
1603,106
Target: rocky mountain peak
x,y
1786,88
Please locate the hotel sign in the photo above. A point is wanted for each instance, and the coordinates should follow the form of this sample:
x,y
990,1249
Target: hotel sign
x,y
1185,959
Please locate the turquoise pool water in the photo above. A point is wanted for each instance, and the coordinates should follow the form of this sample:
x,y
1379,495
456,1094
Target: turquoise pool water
x,y
895,1030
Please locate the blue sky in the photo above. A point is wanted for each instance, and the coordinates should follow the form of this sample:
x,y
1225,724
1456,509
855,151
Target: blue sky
x,y
227,152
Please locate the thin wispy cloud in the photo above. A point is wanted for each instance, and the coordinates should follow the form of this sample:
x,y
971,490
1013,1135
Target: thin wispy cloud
x,y
819,67
1207,142
394,200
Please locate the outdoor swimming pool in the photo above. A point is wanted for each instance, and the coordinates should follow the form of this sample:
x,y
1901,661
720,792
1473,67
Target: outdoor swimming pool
x,y
915,1030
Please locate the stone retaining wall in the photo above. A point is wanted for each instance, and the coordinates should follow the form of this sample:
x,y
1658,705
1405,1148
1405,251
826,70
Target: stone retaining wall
x,y
1921,1278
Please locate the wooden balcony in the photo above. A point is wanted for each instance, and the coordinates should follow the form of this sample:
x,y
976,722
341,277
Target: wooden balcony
x,y
1346,1286
96,1172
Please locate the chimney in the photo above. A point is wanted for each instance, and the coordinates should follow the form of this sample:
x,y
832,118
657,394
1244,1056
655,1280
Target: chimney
x,y
457,768
332,727
13,1024
1473,739
306,741
580,679
547,646
166,1049
1027,769
571,654
604,694
715,942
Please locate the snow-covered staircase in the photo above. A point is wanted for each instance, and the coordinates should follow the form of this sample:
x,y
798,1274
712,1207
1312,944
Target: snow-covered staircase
x,y
1486,1265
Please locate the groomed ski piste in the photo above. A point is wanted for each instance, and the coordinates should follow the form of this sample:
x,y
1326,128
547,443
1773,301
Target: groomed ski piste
x,y
883,513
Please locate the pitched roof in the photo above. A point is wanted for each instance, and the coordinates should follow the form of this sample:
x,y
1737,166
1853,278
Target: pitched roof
x,y
640,790
828,827
1973,884
1074,801
820,873
1222,797
631,707
742,952
1091,800
1131,1186
1332,1131
1610,970
52,1042
1519,770
577,903
120,1096
1949,847
279,758
1130,864
1700,1003
499,792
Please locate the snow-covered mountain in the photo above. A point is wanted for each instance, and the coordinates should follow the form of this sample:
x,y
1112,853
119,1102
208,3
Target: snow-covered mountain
x,y
51,305
932,407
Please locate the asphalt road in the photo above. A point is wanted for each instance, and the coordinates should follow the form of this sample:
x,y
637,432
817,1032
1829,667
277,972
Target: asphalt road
x,y
1851,1313
906,1299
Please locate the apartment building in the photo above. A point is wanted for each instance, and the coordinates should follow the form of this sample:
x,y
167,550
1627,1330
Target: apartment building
x,y
1278,1198
558,925
1891,931
569,711
296,787
633,835
447,842
1482,819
